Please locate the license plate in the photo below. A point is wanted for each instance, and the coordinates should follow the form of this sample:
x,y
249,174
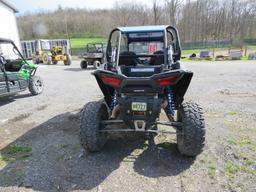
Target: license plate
x,y
139,106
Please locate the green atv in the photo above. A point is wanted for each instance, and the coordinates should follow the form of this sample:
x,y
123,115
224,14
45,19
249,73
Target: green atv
x,y
16,74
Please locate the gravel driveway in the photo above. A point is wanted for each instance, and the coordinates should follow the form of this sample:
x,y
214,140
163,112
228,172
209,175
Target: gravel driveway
x,y
49,125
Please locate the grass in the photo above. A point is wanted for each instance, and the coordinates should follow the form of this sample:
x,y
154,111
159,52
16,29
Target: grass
x,y
232,113
233,168
79,43
16,152
243,144
211,169
3,163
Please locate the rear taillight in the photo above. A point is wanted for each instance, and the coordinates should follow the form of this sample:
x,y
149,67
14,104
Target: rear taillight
x,y
111,81
167,80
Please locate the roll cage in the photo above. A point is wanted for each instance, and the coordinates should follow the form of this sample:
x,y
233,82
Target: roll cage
x,y
165,35
8,41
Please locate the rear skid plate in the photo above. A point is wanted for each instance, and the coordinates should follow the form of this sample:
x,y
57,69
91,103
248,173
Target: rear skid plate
x,y
175,125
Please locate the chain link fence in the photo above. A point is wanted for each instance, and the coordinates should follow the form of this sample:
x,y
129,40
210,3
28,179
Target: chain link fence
x,y
217,44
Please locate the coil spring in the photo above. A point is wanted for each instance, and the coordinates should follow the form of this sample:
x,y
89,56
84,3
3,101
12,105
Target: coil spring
x,y
170,100
113,101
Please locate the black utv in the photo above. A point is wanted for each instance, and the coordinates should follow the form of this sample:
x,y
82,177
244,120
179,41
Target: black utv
x,y
141,77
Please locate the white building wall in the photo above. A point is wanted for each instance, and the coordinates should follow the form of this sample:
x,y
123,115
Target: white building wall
x,y
9,29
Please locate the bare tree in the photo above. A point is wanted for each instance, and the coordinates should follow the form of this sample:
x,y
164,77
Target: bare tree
x,y
197,20
156,11
172,8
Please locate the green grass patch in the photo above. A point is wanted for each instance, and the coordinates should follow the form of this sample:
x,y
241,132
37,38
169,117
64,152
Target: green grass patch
x,y
232,113
232,141
233,168
240,141
16,152
251,47
211,170
79,43
3,163
244,58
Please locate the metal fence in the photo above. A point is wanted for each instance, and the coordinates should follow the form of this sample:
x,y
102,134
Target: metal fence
x,y
29,47
196,45
217,44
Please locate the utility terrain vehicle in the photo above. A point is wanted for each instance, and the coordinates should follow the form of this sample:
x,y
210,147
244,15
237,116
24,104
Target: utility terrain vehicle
x,y
137,85
94,55
16,74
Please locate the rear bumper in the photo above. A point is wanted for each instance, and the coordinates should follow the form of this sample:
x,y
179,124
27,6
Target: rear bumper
x,y
148,116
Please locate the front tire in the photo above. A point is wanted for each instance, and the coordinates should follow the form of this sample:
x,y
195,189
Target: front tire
x,y
90,136
68,60
36,85
35,60
83,64
46,59
191,136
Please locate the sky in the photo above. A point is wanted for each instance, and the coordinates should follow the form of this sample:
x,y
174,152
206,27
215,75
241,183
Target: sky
x,y
37,5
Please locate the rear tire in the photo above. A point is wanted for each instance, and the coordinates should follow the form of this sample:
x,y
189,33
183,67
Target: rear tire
x,y
191,136
90,136
96,64
83,64
36,85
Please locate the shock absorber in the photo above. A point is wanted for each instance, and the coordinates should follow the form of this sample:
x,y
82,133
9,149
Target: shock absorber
x,y
113,102
170,100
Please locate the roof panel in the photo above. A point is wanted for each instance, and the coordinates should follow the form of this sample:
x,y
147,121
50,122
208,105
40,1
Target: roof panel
x,y
136,29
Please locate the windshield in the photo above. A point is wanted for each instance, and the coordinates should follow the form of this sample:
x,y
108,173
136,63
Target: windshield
x,y
8,51
142,48
95,48
45,45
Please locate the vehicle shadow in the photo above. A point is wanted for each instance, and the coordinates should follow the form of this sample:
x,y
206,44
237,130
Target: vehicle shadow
x,y
9,99
58,164
5,101
162,160
79,69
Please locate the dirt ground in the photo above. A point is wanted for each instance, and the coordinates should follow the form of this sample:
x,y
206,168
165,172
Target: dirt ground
x,y
40,148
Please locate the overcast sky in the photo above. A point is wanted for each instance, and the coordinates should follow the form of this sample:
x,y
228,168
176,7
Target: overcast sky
x,y
36,5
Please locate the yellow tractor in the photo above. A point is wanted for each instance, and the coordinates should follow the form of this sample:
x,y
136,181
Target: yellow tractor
x,y
47,54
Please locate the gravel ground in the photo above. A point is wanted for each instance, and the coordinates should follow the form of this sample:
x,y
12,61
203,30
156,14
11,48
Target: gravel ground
x,y
49,124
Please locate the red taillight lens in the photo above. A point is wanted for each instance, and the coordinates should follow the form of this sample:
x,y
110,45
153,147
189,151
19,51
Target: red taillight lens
x,y
111,81
167,80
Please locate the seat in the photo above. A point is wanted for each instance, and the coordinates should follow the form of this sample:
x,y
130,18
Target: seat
x,y
128,58
158,59
13,65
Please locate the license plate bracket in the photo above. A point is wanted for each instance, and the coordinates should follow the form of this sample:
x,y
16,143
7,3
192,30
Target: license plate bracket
x,y
139,106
